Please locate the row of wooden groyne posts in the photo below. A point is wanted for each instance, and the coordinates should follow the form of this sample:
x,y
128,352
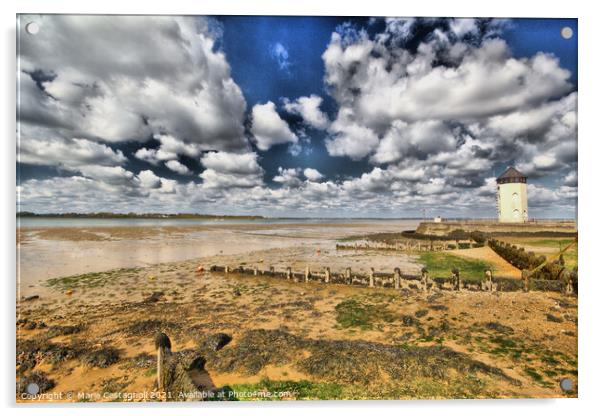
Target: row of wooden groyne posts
x,y
409,246
398,280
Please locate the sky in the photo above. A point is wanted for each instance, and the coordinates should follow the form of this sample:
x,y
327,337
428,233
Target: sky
x,y
295,116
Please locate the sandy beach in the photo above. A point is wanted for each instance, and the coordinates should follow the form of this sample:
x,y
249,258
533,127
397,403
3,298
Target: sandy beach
x,y
93,298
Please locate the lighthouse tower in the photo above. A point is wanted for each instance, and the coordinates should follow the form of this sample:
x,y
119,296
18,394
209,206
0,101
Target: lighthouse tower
x,y
512,196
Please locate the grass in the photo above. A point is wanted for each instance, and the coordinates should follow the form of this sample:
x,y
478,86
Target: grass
x,y
440,265
285,390
86,280
353,313
553,244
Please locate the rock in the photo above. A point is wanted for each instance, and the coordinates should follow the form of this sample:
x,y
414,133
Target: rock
x,y
178,382
33,325
214,342
154,297
408,320
30,298
421,312
553,318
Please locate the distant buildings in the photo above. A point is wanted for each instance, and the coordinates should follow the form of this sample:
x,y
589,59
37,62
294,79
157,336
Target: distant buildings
x,y
512,196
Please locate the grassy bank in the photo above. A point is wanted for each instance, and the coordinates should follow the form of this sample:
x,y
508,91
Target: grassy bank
x,y
440,264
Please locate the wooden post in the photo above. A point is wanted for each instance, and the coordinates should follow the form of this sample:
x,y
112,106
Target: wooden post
x,y
227,269
456,278
424,279
371,277
348,275
525,277
289,273
163,346
327,275
255,271
307,273
397,274
489,278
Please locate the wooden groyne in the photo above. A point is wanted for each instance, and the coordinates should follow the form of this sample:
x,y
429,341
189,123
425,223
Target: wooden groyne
x,y
410,246
400,281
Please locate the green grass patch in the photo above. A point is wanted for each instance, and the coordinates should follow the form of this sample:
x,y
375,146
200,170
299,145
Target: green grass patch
x,y
87,280
553,244
531,372
468,386
440,265
271,390
354,313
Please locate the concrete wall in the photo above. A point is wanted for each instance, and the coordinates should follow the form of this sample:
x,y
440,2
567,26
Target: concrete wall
x,y
512,202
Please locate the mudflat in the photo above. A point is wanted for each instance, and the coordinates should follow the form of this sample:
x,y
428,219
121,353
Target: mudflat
x,y
88,335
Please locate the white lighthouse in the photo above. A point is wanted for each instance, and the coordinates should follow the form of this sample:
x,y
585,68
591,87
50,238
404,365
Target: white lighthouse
x,y
512,196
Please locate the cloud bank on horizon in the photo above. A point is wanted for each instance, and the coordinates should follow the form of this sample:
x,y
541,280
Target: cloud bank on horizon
x,y
379,117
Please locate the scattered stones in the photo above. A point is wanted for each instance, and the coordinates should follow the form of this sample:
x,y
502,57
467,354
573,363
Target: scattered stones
x,y
420,313
498,327
56,330
154,297
554,318
214,342
408,320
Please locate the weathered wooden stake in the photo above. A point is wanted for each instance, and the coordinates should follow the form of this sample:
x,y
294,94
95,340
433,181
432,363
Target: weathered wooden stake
x,y
348,275
456,279
489,279
327,275
424,279
397,273
163,346
371,277
307,273
525,277
227,269
289,273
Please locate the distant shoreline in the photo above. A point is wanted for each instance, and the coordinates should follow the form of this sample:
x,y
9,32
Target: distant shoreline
x,y
152,216
191,216
157,216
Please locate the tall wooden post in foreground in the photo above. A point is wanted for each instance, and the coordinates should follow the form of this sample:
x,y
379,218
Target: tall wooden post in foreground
x,y
163,346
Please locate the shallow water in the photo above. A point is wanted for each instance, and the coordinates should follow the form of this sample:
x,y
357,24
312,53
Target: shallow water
x,y
43,258
44,222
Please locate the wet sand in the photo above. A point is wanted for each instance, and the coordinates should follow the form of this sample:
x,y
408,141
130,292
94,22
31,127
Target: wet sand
x,y
54,252
522,343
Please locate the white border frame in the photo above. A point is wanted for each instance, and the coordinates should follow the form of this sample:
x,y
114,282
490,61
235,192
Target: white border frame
x,y
589,151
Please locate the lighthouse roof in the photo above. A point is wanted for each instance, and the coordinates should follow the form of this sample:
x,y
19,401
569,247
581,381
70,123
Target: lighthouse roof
x,y
511,175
